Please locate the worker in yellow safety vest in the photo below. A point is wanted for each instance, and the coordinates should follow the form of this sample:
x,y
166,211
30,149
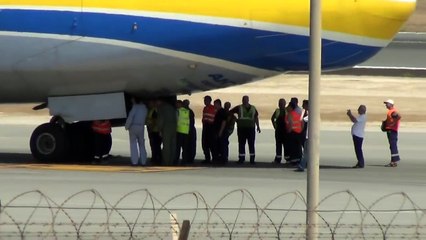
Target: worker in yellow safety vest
x,y
248,120
182,134
278,122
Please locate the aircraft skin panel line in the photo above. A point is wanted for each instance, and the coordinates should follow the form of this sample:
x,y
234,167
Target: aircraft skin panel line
x,y
362,18
166,52
222,42
54,68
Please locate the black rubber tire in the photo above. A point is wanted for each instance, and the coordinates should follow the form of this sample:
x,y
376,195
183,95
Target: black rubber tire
x,y
49,142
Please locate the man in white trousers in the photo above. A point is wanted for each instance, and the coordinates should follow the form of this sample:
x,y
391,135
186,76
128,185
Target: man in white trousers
x,y
135,124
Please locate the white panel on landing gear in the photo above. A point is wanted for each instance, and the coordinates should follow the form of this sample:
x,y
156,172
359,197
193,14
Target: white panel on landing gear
x,y
88,107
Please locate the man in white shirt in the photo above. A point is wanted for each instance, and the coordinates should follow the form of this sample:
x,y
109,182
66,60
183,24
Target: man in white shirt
x,y
358,133
135,124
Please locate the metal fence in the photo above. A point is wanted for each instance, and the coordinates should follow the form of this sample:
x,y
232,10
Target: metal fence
x,y
235,215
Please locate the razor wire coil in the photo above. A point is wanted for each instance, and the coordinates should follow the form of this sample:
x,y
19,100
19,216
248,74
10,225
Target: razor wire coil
x,y
236,215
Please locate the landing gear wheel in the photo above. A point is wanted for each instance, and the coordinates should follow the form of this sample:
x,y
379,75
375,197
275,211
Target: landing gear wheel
x,y
49,142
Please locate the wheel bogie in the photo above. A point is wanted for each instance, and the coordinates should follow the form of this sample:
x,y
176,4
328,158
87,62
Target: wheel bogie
x,y
49,142
56,142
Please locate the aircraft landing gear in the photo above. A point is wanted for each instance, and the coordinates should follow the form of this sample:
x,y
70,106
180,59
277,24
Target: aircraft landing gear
x,y
58,141
49,142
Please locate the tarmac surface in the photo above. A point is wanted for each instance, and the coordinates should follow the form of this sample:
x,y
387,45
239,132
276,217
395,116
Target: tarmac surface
x,y
20,173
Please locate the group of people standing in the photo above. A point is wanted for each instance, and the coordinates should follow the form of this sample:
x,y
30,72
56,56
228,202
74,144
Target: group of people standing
x,y
218,125
291,132
172,133
290,124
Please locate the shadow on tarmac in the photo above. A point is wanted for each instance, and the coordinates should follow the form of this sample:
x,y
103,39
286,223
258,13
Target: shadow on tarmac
x,y
16,158
117,160
334,167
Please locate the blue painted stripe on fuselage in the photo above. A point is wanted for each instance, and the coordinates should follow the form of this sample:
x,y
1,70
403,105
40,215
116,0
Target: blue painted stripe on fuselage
x,y
257,48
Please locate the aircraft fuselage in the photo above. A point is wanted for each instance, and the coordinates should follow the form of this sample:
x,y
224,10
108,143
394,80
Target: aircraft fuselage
x,y
159,48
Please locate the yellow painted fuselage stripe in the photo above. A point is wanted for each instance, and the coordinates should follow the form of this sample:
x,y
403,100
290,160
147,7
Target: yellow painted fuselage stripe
x,y
379,19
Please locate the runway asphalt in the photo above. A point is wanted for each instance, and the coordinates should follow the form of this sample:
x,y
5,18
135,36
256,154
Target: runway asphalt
x,y
407,50
20,173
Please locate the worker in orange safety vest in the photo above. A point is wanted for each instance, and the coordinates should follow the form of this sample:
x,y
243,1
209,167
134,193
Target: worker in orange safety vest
x,y
102,140
294,125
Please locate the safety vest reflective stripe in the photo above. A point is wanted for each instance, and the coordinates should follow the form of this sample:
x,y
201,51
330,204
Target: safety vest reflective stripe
x,y
294,122
101,127
209,113
246,116
183,121
391,123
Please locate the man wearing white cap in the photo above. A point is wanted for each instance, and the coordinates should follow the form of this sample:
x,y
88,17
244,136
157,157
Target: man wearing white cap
x,y
391,126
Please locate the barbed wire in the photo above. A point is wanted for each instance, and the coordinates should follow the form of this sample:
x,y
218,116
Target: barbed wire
x,y
236,215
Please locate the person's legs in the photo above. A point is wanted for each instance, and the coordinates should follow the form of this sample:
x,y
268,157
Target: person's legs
x,y
241,144
304,160
212,137
179,148
186,152
278,147
393,141
206,143
155,143
358,150
299,140
287,146
226,148
216,150
134,151
290,146
97,142
169,145
141,145
251,138
192,145
223,148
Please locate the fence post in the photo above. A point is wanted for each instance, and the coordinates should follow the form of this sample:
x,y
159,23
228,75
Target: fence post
x,y
184,231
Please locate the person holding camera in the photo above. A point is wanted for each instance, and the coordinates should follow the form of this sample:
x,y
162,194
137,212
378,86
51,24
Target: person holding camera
x,y
357,132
